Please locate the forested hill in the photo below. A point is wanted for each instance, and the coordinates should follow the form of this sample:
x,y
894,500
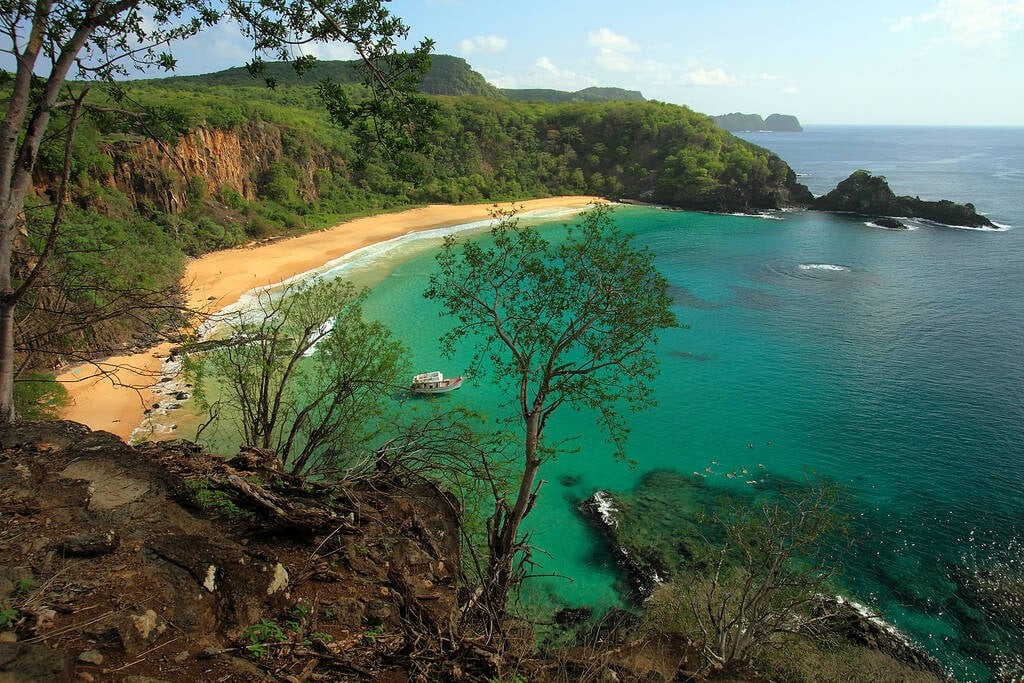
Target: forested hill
x,y
560,96
447,76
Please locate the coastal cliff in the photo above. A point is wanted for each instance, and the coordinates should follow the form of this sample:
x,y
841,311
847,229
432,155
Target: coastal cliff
x,y
164,176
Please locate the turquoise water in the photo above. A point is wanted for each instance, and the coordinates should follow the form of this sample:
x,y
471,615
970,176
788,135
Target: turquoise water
x,y
890,361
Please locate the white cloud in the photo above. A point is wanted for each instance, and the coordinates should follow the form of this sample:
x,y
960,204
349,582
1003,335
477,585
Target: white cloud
x,y
792,90
547,75
971,22
620,55
613,51
709,77
337,50
483,45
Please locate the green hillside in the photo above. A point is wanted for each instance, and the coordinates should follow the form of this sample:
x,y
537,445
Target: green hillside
x,y
447,76
237,162
585,95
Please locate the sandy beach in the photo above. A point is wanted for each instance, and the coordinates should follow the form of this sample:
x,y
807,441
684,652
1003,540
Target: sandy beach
x,y
117,402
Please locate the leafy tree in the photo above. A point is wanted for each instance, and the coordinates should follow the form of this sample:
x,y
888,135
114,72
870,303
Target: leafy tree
x,y
568,323
103,39
302,373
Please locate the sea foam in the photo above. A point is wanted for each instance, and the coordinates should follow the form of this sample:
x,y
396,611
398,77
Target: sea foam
x,y
822,266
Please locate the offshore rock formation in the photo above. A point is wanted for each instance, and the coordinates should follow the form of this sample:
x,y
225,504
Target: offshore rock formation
x,y
782,123
865,194
749,123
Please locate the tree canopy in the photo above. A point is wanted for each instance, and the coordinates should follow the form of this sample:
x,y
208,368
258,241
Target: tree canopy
x,y
301,373
53,41
572,323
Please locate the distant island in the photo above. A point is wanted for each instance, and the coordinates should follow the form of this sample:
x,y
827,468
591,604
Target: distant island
x,y
777,123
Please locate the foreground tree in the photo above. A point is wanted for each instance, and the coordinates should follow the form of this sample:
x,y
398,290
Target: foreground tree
x,y
768,571
102,39
568,323
301,373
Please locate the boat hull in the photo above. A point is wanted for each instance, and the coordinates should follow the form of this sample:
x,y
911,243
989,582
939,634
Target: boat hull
x,y
441,387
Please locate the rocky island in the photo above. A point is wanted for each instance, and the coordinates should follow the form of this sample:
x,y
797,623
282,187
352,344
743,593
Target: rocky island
x,y
869,195
776,123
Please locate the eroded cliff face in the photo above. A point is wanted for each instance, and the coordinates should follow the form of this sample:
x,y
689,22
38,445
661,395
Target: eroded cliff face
x,y
158,174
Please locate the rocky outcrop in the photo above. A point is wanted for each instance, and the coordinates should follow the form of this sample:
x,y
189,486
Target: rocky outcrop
x,y
165,176
167,562
868,195
636,523
644,570
857,624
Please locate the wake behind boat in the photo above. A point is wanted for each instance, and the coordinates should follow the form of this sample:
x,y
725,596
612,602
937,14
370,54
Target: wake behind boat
x,y
434,383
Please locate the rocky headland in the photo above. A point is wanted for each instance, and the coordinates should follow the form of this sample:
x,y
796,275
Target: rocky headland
x,y
870,195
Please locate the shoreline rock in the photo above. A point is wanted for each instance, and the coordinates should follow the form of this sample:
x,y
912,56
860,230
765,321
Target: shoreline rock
x,y
854,622
643,571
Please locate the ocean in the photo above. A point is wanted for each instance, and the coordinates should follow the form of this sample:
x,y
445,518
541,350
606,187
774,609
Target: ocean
x,y
891,362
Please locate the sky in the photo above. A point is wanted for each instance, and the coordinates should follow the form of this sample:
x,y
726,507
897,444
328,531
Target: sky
x,y
927,62
866,62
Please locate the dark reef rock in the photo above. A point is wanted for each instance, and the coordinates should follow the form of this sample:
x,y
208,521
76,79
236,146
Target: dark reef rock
x,y
856,624
890,224
571,616
870,195
645,570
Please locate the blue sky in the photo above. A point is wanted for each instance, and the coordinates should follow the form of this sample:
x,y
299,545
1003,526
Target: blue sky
x,y
924,61
954,62
957,62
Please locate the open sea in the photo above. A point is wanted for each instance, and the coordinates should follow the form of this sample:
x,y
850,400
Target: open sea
x,y
889,361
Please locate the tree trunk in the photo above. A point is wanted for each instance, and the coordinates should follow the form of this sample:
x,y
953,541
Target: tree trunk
x,y
7,413
501,572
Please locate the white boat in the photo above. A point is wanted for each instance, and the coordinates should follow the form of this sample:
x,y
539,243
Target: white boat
x,y
434,383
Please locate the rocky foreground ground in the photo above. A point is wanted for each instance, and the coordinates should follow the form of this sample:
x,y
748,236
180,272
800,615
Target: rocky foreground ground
x,y
161,562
